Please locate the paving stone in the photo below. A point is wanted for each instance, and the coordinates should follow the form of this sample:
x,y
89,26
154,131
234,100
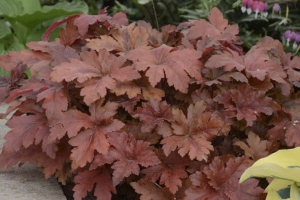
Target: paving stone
x,y
27,182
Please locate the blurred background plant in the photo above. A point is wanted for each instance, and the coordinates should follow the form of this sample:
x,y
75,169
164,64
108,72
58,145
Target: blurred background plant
x,y
25,20
22,21
256,20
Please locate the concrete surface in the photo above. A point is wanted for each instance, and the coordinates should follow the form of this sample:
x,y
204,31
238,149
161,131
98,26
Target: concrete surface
x,y
26,183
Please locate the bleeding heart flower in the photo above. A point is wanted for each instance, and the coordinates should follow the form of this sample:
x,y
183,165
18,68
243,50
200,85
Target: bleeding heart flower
x,y
276,8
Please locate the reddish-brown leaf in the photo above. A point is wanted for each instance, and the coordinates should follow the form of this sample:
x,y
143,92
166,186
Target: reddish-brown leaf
x,y
58,52
83,21
98,179
55,102
170,172
227,60
154,113
69,34
129,153
71,122
124,39
27,130
150,191
96,73
247,104
292,127
163,62
217,29
85,143
255,147
94,137
220,180
46,35
27,88
192,135
4,87
25,57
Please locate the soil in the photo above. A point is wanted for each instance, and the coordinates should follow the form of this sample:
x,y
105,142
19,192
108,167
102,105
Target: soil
x,y
124,192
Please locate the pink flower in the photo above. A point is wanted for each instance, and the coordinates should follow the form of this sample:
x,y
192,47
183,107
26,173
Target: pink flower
x,y
288,35
244,2
249,4
276,8
244,5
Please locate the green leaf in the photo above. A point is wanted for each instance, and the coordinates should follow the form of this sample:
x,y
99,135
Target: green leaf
x,y
143,2
4,29
14,45
10,8
60,9
30,6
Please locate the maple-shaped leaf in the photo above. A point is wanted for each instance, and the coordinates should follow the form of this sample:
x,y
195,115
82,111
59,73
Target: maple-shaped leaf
x,y
192,134
220,180
217,76
290,123
164,61
51,166
155,37
58,52
27,88
28,130
134,128
276,134
123,39
217,28
247,104
34,154
95,73
94,137
118,19
170,172
129,88
258,66
129,154
98,179
227,60
69,34
25,57
83,21
255,148
154,113
150,191
55,102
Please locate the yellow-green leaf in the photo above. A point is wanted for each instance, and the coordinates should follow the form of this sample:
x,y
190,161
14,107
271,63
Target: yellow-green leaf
x,y
294,194
273,171
278,184
273,195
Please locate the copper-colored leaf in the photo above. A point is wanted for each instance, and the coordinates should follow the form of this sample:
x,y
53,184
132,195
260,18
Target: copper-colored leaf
x,y
98,179
129,153
255,147
150,191
192,135
162,62
154,114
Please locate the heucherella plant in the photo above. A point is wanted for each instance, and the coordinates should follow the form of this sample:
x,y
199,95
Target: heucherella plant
x,y
176,113
284,167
